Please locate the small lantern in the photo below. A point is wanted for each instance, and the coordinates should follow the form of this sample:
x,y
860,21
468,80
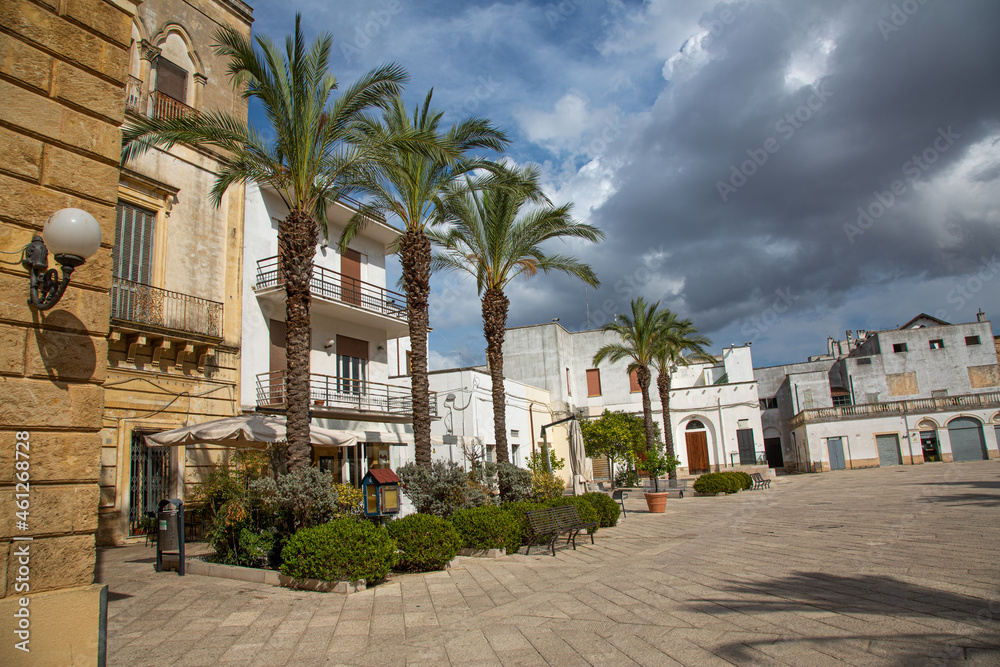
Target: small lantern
x,y
381,491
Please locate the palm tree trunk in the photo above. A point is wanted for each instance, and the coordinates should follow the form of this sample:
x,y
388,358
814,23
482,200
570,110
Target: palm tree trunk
x,y
643,375
663,386
495,305
415,258
297,238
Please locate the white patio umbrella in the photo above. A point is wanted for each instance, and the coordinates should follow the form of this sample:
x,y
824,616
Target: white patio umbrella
x,y
579,463
255,430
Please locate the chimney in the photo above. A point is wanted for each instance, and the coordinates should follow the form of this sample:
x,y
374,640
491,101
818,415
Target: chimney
x,y
980,316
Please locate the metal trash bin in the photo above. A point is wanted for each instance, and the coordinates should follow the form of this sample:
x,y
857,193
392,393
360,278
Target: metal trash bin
x,y
170,532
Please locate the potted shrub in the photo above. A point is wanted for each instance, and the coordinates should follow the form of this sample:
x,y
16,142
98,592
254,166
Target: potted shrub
x,y
656,464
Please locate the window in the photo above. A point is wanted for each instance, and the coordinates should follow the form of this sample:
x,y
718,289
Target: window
x,y
352,358
937,344
171,80
569,391
694,425
972,340
840,400
593,382
769,403
865,361
514,433
133,254
633,380
939,393
409,364
899,347
490,451
872,397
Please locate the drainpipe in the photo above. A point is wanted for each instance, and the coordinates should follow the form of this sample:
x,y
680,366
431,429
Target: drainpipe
x,y
722,436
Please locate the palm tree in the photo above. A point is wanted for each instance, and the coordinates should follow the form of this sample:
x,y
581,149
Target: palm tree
x,y
321,149
410,188
674,338
638,334
498,227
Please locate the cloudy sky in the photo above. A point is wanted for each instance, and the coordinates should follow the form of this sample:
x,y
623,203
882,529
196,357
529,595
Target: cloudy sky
x,y
777,170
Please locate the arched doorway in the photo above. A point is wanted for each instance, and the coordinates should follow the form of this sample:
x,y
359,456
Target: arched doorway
x,y
929,441
696,438
967,441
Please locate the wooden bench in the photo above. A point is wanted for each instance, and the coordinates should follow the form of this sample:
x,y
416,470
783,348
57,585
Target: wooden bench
x,y
555,521
759,482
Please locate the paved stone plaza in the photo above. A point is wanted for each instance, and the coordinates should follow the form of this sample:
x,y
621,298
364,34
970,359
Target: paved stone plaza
x,y
892,566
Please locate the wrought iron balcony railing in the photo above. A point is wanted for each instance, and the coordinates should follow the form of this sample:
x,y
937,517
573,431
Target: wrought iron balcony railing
x,y
133,92
165,106
913,406
331,392
336,286
152,306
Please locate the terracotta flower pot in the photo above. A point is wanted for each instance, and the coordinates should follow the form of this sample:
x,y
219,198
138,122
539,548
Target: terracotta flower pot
x,y
657,502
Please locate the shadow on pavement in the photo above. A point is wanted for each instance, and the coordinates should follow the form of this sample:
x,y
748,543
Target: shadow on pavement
x,y
869,595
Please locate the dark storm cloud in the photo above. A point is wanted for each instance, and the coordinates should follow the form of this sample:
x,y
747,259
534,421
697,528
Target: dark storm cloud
x,y
894,105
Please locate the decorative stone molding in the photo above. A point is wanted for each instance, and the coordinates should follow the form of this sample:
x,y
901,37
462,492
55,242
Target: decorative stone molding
x,y
148,51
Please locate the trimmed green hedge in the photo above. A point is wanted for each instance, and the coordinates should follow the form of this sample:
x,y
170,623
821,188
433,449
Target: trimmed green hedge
x,y
607,509
487,527
427,542
343,549
722,482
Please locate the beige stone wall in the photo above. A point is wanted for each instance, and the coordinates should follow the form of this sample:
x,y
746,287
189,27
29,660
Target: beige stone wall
x,y
902,384
61,104
196,251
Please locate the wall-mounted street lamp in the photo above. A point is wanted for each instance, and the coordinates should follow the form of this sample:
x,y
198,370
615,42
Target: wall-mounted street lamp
x,y
73,236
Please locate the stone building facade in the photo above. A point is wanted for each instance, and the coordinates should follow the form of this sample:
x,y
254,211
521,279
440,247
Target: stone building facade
x,y
63,74
173,351
928,391
713,405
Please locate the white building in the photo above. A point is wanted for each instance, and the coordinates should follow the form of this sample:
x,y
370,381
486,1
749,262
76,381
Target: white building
x,y
926,392
354,318
714,407
462,399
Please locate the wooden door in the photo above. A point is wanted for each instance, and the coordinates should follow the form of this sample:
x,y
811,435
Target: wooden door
x,y
350,270
697,450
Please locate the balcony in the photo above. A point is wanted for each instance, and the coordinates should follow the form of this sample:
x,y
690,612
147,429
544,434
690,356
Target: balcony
x,y
341,296
133,93
346,397
165,106
162,311
913,407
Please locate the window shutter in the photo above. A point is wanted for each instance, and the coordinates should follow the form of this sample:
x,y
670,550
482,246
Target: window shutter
x,y
352,347
133,254
633,380
171,80
594,382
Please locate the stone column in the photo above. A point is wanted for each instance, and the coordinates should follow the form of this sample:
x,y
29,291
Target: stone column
x,y
61,107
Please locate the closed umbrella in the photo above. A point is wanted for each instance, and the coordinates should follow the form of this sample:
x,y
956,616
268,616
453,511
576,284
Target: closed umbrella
x,y
255,430
579,463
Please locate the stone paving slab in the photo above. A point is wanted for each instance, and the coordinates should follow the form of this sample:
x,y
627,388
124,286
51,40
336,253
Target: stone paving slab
x,y
893,566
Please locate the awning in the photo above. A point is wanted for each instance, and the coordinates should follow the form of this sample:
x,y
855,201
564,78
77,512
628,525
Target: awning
x,y
255,430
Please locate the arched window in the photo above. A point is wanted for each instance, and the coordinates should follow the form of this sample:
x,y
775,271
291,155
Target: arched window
x,y
695,425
